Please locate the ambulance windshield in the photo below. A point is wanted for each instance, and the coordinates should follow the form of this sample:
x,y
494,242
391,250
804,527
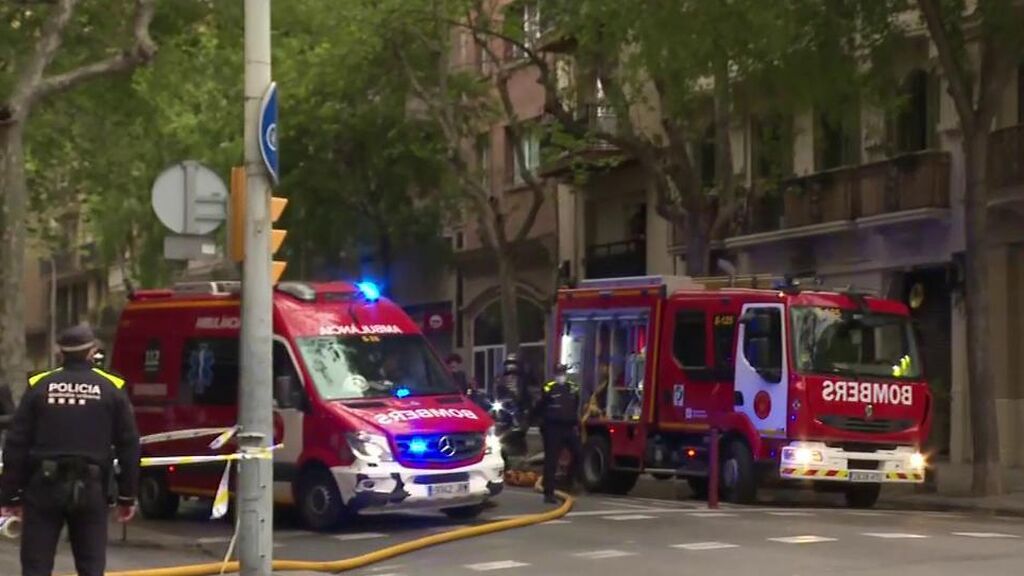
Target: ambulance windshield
x,y
836,341
352,367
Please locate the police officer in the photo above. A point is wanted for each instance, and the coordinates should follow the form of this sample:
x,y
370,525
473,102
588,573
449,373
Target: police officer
x,y
558,409
58,459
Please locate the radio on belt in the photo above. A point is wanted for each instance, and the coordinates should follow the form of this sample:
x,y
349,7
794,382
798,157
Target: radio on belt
x,y
364,410
806,385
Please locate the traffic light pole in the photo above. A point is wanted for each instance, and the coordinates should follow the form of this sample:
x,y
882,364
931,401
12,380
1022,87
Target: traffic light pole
x,y
254,501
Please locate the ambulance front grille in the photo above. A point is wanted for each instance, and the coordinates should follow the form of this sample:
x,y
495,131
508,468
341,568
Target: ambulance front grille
x,y
439,448
874,426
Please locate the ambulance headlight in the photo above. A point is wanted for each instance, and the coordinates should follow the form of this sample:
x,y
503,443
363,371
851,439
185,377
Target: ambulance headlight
x,y
918,461
493,441
371,448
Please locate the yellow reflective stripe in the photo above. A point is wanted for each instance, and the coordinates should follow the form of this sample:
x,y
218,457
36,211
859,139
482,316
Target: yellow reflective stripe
x,y
117,382
549,386
35,379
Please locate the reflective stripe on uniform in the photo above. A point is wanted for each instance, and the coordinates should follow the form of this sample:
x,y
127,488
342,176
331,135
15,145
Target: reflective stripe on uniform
x,y
549,386
35,379
117,382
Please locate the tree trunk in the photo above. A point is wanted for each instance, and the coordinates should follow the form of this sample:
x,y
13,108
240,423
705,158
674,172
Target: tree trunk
x,y
697,245
12,255
509,301
987,479
385,259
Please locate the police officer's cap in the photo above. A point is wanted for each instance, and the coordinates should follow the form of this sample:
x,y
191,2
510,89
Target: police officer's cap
x,y
76,339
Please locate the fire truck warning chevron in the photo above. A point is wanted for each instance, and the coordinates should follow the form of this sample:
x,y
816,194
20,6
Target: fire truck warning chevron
x,y
867,392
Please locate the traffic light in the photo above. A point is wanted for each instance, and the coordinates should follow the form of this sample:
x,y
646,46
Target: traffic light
x,y
236,215
236,224
277,206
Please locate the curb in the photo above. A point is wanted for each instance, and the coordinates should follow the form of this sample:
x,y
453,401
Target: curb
x,y
946,505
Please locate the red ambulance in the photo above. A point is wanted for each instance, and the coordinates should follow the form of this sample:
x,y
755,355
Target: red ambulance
x,y
821,387
368,416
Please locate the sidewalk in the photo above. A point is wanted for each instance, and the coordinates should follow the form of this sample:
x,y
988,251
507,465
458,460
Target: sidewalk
x,y
951,490
143,549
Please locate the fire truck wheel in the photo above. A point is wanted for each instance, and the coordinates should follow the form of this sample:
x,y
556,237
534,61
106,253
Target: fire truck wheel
x,y
598,475
699,487
464,512
862,495
320,502
738,474
156,501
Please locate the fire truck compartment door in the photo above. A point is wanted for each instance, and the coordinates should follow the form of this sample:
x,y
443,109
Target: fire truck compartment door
x,y
762,376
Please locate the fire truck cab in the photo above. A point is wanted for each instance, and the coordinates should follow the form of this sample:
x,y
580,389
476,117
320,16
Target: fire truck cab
x,y
368,417
799,385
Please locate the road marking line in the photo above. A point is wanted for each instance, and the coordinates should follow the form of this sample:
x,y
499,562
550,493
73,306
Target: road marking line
x,y
549,522
802,539
985,535
871,514
602,554
215,540
712,515
892,535
499,565
627,504
359,536
631,517
376,569
651,501
704,546
791,514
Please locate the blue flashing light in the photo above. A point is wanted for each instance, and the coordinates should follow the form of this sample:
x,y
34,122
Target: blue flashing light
x,y
369,290
418,446
402,392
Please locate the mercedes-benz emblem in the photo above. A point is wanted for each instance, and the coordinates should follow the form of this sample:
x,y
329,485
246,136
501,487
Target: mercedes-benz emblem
x,y
446,446
869,411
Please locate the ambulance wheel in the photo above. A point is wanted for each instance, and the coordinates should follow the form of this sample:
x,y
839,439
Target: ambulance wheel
x,y
156,501
598,475
464,512
320,502
863,495
738,474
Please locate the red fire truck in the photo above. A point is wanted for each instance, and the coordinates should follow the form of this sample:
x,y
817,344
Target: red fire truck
x,y
801,385
368,417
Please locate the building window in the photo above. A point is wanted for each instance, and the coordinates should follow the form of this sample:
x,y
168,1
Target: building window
x,y
914,124
530,144
689,341
837,140
483,156
530,29
209,372
1020,94
773,146
489,342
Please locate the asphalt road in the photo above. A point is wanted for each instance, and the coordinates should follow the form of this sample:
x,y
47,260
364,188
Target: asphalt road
x,y
613,536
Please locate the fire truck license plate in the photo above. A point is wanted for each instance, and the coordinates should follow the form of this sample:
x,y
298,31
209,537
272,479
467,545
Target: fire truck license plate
x,y
445,490
865,476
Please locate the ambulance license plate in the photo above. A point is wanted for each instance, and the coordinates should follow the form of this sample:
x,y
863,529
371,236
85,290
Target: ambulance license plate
x,y
859,476
448,490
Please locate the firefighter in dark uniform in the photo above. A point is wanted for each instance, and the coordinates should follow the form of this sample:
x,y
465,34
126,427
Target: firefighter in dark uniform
x,y
558,410
58,459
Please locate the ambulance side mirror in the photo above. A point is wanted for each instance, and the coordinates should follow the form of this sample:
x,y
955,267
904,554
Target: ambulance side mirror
x,y
288,394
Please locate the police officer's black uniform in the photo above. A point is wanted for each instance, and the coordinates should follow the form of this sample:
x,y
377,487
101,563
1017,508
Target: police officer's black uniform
x,y
558,409
58,458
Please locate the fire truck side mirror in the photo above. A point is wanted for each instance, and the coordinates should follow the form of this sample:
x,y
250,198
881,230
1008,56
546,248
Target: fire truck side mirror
x,y
756,324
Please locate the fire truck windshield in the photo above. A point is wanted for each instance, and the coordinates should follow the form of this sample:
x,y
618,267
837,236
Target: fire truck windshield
x,y
352,367
837,341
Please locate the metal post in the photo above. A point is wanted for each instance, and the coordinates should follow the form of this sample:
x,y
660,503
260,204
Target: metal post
x,y
255,480
713,466
53,310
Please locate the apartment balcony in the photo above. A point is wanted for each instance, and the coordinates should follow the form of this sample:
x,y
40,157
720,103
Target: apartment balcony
x,y
908,188
1006,169
616,259
591,152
